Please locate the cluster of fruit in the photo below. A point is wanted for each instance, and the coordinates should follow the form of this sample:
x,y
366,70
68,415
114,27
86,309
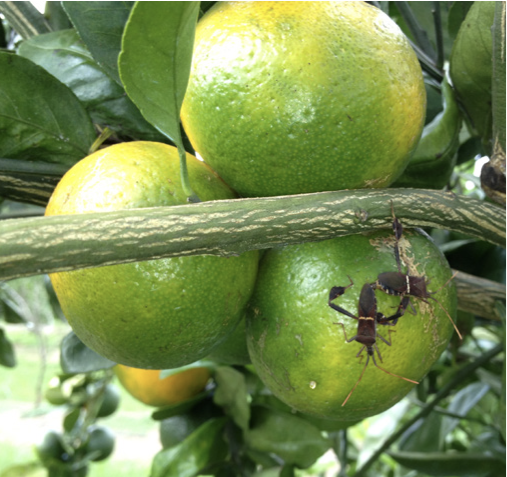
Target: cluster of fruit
x,y
339,107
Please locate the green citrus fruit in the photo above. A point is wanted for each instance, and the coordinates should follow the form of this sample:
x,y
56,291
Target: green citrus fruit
x,y
154,314
300,352
51,448
110,401
293,97
146,385
100,443
233,350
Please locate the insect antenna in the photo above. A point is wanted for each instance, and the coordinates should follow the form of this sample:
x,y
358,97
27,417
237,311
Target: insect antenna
x,y
442,307
392,374
448,315
357,382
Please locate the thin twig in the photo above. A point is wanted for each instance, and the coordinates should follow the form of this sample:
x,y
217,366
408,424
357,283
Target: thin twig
x,y
437,18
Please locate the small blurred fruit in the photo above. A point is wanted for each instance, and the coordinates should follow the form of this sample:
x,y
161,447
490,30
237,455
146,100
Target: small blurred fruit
x,y
146,386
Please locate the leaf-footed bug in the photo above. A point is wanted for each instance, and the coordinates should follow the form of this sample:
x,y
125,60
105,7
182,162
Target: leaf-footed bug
x,y
405,285
366,327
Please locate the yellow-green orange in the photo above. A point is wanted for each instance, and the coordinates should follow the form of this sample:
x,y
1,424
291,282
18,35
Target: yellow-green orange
x,y
233,350
302,355
154,314
146,385
293,97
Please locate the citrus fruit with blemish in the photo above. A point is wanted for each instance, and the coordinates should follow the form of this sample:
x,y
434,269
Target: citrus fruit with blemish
x,y
294,97
147,386
154,314
301,353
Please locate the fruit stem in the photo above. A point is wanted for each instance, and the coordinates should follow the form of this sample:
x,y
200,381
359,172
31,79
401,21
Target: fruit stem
x,y
437,19
185,181
104,136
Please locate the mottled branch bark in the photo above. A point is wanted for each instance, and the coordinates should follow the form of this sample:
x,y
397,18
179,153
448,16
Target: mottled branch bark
x,y
49,244
478,296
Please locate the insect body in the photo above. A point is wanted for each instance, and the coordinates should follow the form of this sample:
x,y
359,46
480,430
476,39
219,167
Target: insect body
x,y
405,285
367,321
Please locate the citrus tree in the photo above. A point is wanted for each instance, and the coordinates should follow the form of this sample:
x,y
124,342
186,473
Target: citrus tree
x,y
335,254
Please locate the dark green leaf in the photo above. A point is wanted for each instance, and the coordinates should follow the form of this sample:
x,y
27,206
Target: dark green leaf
x,y
457,13
41,119
7,356
76,357
155,60
64,55
203,448
287,471
292,438
445,464
471,65
24,18
56,16
231,394
434,159
100,25
263,459
174,429
469,149
71,418
464,400
177,428
204,7
424,435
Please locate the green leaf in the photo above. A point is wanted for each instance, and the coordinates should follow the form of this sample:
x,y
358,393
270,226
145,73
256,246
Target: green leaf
x,y
464,400
203,448
64,55
287,471
471,65
196,364
456,464
56,16
155,60
40,118
76,357
424,435
457,13
231,394
176,428
71,419
7,356
100,25
155,65
434,159
292,438
24,18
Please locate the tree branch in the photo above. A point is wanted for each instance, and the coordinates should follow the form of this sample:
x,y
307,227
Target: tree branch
x,y
49,244
479,296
